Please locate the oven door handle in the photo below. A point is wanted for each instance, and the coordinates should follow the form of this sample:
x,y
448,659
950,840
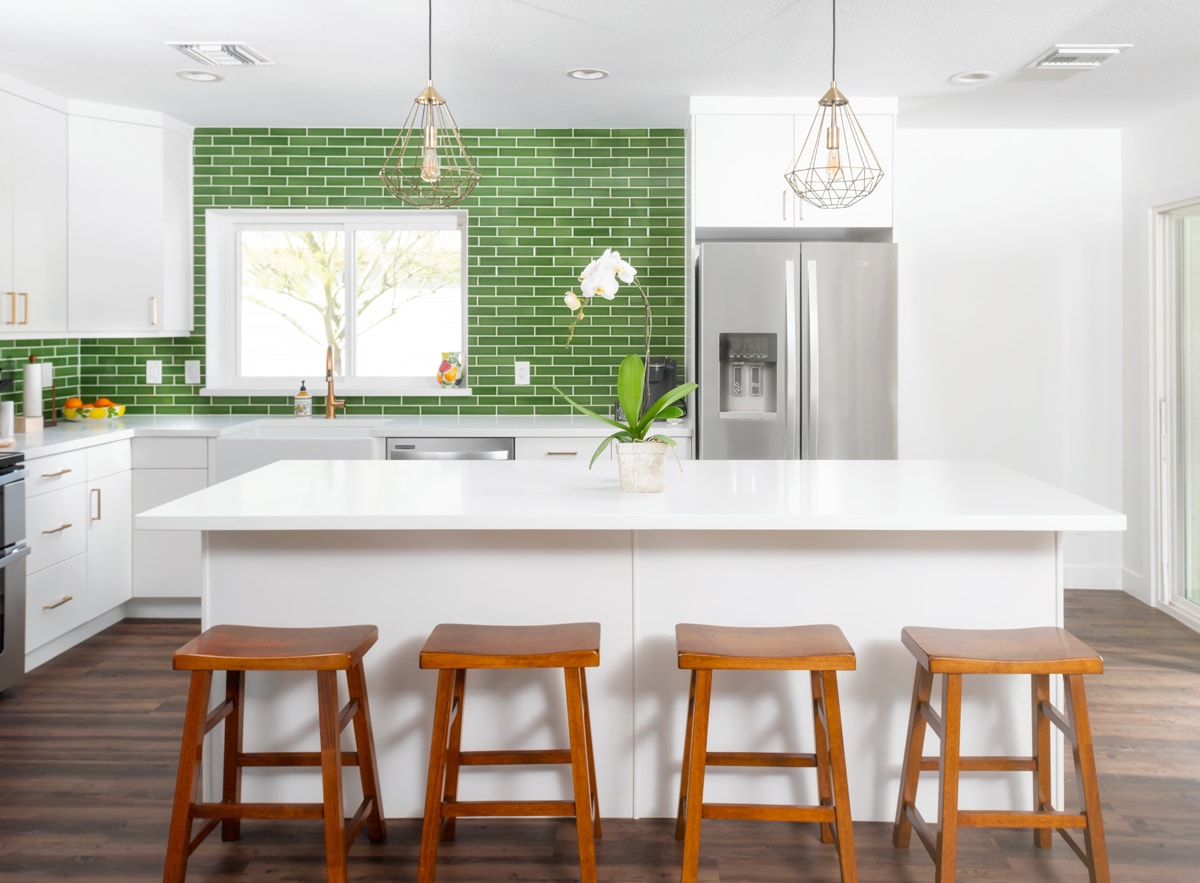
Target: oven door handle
x,y
13,553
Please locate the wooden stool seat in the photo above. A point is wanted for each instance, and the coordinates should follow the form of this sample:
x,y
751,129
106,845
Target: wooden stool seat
x,y
236,650
821,650
1040,653
452,649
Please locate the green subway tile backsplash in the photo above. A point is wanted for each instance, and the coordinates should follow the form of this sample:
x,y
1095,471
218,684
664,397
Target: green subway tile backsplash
x,y
548,202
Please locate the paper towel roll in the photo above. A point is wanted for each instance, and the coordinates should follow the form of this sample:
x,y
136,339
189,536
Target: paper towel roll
x,y
6,419
31,402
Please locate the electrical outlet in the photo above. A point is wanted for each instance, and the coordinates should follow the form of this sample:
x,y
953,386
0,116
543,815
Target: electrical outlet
x,y
521,373
154,371
191,371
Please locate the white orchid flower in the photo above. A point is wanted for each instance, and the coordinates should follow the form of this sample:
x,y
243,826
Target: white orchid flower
x,y
572,301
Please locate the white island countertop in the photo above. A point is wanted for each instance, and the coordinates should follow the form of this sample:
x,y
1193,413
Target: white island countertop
x,y
892,495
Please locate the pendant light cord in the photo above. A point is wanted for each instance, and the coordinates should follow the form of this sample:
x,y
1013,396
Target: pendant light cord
x,y
833,55
429,54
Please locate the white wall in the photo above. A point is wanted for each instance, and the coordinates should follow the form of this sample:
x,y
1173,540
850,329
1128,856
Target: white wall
x,y
1010,311
1159,169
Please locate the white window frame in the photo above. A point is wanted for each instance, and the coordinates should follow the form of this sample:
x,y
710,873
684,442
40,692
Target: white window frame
x,y
222,341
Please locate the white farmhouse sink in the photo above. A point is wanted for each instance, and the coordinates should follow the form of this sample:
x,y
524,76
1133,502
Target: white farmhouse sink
x,y
260,442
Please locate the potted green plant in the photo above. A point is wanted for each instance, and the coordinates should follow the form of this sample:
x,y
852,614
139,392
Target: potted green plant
x,y
641,452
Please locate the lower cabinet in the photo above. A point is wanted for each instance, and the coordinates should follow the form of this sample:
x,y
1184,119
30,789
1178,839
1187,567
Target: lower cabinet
x,y
576,448
166,563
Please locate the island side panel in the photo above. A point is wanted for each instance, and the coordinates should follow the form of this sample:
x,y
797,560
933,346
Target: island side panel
x,y
406,582
871,584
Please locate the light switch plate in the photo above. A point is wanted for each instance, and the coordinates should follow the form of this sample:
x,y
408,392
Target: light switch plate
x,y
154,371
191,371
521,373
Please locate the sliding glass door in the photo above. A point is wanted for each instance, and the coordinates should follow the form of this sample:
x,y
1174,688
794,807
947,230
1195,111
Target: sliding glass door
x,y
1184,272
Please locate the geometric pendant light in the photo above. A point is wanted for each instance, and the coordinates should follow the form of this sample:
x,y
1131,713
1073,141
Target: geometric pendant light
x,y
428,165
836,166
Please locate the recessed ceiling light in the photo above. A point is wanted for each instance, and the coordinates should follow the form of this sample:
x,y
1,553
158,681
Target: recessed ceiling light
x,y
587,73
199,76
972,78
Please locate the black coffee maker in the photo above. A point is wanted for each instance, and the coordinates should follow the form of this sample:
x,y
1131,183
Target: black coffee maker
x,y
660,379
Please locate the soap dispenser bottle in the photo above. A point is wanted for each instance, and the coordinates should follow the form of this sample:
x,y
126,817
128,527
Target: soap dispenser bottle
x,y
303,406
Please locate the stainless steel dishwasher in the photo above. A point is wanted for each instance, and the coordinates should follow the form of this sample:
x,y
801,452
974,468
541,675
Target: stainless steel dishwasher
x,y
450,448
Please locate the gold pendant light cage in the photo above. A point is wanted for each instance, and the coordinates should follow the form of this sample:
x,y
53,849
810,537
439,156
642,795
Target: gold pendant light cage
x,y
836,167
428,165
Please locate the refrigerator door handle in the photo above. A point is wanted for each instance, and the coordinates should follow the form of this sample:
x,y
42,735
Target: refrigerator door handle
x,y
814,365
793,416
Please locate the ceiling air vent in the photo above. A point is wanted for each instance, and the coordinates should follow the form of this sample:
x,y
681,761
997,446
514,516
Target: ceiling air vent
x,y
1077,55
222,53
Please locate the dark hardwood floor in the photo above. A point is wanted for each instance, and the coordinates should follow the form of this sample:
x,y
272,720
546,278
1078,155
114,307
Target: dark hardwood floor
x,y
88,747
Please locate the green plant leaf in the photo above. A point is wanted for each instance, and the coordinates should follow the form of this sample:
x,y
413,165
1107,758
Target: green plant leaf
x,y
574,404
631,376
659,408
616,436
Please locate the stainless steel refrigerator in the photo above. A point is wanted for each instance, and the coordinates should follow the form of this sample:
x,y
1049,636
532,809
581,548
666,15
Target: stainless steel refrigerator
x,y
796,354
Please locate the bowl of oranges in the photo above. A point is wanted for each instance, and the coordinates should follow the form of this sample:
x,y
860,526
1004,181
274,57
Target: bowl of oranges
x,y
102,408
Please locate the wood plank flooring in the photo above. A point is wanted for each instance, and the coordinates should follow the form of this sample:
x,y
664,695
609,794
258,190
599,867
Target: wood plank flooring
x,y
88,747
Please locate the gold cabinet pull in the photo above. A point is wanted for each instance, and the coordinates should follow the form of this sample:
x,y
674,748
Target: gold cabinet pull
x,y
97,516
62,471
25,301
58,529
59,603
154,310
13,320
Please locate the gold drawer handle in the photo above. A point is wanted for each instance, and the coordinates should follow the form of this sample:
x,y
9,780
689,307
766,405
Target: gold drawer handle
x,y
13,320
562,453
25,301
59,603
62,471
99,503
58,529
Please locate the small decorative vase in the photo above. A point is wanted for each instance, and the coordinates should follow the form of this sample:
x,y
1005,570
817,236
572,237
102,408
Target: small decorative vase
x,y
449,372
642,466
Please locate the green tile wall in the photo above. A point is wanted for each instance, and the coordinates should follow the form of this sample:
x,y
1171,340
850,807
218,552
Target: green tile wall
x,y
549,201
62,354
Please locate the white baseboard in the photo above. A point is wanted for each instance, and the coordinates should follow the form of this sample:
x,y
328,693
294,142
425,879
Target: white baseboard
x,y
162,608
1093,576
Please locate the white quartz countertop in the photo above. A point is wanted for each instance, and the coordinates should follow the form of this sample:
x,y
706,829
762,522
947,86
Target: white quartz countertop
x,y
838,495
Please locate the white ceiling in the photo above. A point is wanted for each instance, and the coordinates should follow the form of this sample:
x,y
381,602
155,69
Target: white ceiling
x,y
500,63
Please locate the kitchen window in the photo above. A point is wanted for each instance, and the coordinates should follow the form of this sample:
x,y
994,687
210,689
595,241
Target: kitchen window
x,y
386,289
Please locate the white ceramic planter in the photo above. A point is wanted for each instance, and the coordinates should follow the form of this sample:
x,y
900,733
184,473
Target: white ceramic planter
x,y
642,466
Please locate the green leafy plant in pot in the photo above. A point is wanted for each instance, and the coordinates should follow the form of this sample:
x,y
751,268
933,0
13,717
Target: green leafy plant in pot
x,y
602,279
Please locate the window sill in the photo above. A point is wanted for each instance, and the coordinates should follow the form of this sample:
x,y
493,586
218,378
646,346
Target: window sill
x,y
340,390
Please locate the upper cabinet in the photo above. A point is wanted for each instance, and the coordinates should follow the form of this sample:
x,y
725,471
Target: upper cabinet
x,y
130,224
739,160
33,217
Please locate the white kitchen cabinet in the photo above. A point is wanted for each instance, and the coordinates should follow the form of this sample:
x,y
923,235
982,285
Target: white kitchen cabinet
x,y
739,163
55,601
33,217
109,527
166,564
578,448
130,223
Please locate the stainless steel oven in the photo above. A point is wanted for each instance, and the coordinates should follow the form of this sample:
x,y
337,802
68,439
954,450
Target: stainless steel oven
x,y
13,552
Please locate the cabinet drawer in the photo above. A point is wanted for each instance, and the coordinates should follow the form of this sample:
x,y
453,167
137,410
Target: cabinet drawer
x,y
560,449
55,601
170,453
107,459
55,471
56,526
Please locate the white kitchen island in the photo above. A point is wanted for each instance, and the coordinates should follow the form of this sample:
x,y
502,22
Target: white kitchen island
x,y
869,546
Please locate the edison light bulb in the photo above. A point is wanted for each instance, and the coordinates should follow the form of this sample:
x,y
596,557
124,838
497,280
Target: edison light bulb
x,y
833,158
431,166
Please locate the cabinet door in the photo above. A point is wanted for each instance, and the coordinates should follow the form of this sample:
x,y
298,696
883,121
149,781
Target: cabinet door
x,y
115,265
740,161
109,544
874,210
166,562
33,217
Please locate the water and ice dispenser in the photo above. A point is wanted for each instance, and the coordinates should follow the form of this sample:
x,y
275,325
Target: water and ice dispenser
x,y
749,374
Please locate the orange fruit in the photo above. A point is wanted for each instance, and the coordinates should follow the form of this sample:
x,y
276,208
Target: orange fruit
x,y
73,402
102,402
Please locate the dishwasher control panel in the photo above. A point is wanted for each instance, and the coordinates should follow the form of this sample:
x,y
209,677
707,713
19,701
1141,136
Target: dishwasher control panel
x,y
446,448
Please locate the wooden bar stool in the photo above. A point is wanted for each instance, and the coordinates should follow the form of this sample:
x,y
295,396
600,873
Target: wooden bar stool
x,y
236,650
1038,652
821,650
452,649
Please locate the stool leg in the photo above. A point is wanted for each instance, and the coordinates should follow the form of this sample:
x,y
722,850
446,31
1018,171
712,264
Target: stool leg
x,y
1041,756
821,751
841,786
431,827
187,780
591,754
698,736
947,837
1085,772
681,807
580,775
454,753
364,744
331,776
231,775
914,747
